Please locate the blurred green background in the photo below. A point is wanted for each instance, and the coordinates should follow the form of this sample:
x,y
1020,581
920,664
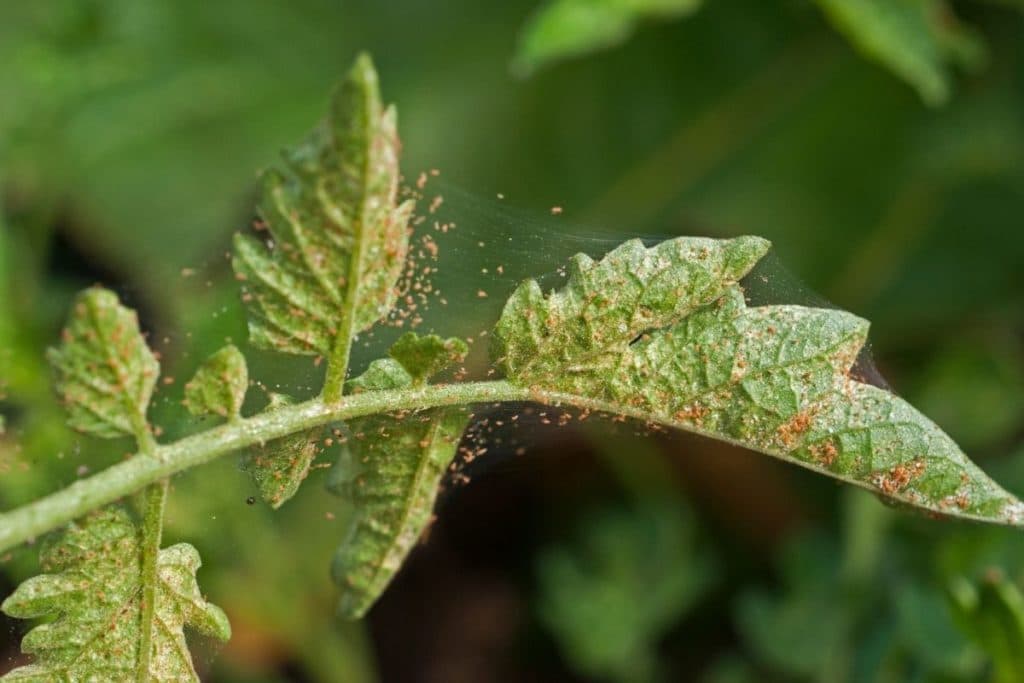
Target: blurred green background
x,y
878,143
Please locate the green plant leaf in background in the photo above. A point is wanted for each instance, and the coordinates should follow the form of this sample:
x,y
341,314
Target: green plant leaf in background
x,y
664,334
860,604
991,612
802,632
391,469
915,39
105,372
562,29
610,596
219,385
975,389
95,588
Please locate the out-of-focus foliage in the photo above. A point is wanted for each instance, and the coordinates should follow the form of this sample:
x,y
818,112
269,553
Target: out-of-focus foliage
x,y
915,39
569,28
890,600
613,593
918,40
129,132
976,388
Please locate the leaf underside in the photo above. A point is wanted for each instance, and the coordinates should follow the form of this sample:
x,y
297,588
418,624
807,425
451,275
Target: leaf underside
x,y
105,373
664,334
279,467
94,589
219,385
391,469
338,240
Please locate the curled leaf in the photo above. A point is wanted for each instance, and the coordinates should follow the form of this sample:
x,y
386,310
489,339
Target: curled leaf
x,y
105,373
664,334
279,467
94,588
219,385
390,471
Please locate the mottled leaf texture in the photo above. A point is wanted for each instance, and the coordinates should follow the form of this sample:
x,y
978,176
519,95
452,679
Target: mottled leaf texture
x,y
383,373
338,238
280,466
105,373
664,334
912,38
425,356
94,589
219,385
561,29
390,470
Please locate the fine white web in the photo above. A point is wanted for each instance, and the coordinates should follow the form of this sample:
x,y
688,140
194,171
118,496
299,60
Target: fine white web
x,y
470,252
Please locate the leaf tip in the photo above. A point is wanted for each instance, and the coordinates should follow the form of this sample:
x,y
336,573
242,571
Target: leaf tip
x,y
743,252
362,75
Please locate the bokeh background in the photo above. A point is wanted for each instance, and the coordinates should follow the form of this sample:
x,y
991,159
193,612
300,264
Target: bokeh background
x,y
878,143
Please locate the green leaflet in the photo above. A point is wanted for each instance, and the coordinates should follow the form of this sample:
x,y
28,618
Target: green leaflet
x,y
605,305
664,334
569,28
280,466
219,385
94,588
105,373
383,373
912,38
425,356
391,469
338,239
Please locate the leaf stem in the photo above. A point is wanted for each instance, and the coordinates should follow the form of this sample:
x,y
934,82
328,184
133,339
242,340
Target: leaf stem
x,y
148,467
152,531
47,513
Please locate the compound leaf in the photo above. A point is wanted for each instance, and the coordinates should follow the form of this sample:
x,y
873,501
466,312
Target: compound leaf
x,y
390,470
94,588
664,334
570,28
105,373
219,385
338,236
